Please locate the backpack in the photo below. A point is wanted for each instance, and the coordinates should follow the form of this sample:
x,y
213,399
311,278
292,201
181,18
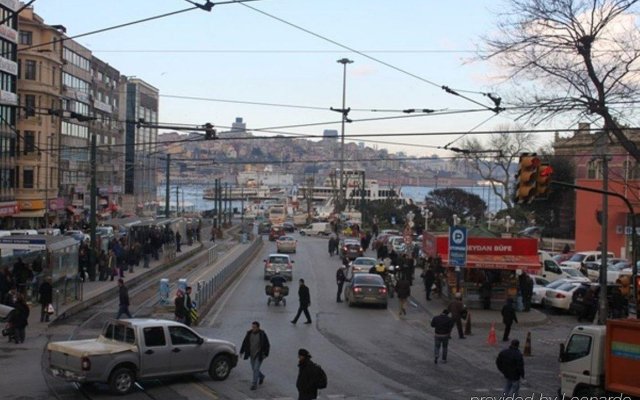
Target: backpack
x,y
320,377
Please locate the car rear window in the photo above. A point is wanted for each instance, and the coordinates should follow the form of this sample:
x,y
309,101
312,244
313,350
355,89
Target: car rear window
x,y
567,287
278,260
577,257
367,280
364,262
120,333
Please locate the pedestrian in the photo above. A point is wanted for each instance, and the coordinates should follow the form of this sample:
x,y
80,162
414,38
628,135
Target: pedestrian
x,y
403,290
511,363
147,250
305,301
443,325
255,347
526,290
180,310
508,318
566,249
485,294
20,318
178,239
429,278
213,234
306,382
341,277
123,296
112,269
188,305
45,292
457,309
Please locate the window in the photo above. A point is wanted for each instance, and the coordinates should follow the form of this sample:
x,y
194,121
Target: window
x,y
29,142
30,70
579,346
120,333
26,37
27,178
154,337
594,170
631,170
181,335
30,105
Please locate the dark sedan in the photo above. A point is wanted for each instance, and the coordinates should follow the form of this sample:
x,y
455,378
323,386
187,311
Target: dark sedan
x,y
289,227
366,289
350,249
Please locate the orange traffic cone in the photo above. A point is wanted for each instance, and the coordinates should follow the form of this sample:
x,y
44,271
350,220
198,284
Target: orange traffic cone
x,y
491,340
527,345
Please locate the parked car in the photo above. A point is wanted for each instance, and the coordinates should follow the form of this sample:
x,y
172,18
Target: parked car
x,y
137,349
362,264
578,305
286,244
289,226
275,232
593,268
280,263
316,228
560,258
574,274
581,257
618,270
560,297
366,289
350,249
539,289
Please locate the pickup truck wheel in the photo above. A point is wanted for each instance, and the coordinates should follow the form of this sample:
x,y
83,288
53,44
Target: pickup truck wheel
x,y
121,381
220,368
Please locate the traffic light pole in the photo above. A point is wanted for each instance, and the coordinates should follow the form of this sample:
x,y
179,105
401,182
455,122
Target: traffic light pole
x,y
92,217
634,235
166,187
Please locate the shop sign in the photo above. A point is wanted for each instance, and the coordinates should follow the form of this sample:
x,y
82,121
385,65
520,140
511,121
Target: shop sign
x,y
8,33
8,66
31,204
56,204
8,97
10,209
10,4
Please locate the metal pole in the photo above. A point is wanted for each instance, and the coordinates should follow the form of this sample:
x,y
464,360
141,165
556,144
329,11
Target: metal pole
x,y
602,314
177,200
92,220
341,193
46,184
362,198
167,191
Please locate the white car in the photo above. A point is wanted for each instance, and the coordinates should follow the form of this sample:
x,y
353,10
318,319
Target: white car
x,y
573,274
560,296
615,271
539,289
577,259
593,268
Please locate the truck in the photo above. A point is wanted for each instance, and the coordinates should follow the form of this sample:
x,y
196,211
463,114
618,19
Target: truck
x,y
138,349
601,360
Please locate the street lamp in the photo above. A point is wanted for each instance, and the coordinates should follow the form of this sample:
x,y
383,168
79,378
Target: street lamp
x,y
426,213
456,219
344,111
490,219
508,223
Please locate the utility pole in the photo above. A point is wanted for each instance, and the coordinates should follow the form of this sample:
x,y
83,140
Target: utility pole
x,y
47,176
218,203
177,200
601,144
92,217
344,111
362,199
167,191
227,217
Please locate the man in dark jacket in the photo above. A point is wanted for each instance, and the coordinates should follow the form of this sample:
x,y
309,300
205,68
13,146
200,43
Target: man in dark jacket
x,y
456,308
508,317
178,242
511,363
305,302
45,293
255,347
341,277
306,382
123,296
526,290
403,290
188,305
429,278
443,325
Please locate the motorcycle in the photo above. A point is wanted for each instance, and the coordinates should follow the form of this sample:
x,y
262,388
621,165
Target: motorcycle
x,y
277,294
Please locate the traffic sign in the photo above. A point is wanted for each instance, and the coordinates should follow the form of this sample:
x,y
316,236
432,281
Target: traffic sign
x,y
458,246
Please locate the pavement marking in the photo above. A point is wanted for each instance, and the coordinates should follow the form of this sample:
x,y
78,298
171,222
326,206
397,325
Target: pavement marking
x,y
206,390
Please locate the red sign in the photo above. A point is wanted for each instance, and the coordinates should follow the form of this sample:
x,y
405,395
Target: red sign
x,y
10,209
489,253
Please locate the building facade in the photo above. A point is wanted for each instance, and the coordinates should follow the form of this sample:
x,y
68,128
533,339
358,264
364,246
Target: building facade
x,y
39,86
8,105
586,148
105,106
140,104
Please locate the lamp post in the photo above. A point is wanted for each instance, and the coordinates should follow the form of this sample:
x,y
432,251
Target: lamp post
x,y
508,223
456,219
426,213
344,111
490,219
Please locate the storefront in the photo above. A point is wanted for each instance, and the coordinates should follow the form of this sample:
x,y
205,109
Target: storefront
x,y
493,265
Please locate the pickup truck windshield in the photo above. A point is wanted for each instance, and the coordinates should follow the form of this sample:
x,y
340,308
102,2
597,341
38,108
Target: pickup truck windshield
x,y
120,333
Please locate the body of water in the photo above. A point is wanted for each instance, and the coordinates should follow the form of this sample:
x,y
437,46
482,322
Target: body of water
x,y
192,195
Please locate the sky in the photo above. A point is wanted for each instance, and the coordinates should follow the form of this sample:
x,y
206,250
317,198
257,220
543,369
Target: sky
x,y
236,53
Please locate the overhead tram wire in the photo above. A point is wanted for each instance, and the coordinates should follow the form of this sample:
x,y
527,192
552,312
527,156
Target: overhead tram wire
x,y
446,146
448,90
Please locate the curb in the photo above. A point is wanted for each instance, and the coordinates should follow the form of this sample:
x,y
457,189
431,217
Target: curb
x,y
84,304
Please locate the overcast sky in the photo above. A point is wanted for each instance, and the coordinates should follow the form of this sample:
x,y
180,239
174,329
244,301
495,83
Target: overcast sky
x,y
238,54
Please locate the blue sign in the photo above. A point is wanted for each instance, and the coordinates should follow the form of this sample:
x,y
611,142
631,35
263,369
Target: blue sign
x,y
458,246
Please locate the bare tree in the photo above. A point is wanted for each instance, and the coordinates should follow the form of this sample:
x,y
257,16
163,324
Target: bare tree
x,y
495,167
582,54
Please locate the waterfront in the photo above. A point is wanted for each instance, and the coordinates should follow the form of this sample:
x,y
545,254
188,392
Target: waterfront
x,y
191,196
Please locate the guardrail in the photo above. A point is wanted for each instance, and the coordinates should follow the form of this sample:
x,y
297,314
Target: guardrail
x,y
208,291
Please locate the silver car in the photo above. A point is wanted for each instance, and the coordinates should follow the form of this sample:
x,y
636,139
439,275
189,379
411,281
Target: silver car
x,y
278,263
366,289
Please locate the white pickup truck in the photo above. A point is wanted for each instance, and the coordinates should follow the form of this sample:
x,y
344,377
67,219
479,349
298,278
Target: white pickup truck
x,y
138,349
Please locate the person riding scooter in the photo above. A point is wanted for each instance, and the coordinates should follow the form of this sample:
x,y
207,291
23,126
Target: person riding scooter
x,y
278,289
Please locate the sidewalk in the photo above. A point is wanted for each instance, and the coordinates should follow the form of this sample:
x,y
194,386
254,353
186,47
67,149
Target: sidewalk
x,y
479,318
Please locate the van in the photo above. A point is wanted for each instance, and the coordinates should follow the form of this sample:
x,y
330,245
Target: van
x,y
550,270
317,228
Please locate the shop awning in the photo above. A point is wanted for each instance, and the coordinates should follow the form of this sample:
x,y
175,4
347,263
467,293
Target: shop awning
x,y
29,214
512,262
